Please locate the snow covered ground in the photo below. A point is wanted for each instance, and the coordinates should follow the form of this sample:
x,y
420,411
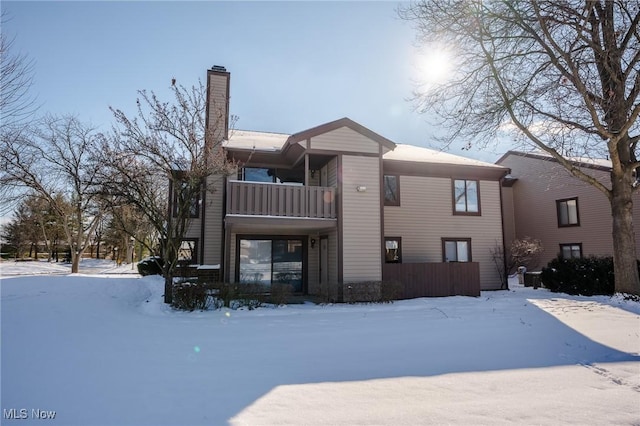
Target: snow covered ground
x,y
103,349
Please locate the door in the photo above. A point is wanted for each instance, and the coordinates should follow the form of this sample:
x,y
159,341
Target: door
x,y
271,260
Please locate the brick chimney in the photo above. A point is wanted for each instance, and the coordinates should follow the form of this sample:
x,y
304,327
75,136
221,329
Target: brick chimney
x,y
218,103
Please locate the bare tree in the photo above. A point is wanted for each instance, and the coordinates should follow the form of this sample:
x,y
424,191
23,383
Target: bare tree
x,y
126,226
524,252
54,161
563,74
16,78
162,161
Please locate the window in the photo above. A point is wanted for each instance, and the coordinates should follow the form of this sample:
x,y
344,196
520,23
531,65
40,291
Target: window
x,y
456,249
258,174
571,251
269,261
187,252
186,195
466,197
568,212
393,250
391,190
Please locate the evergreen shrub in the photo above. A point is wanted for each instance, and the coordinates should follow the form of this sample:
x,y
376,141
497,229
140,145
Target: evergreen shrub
x,y
586,276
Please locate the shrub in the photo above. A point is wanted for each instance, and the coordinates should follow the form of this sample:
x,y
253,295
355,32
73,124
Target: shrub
x,y
391,290
188,296
150,266
586,276
237,296
372,291
250,296
365,291
281,294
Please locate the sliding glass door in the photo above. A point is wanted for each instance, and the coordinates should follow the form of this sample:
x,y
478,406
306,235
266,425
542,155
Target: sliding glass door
x,y
271,261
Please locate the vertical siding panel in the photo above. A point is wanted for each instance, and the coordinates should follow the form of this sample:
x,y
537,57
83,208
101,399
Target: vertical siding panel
x,y
313,265
232,258
333,257
332,170
361,219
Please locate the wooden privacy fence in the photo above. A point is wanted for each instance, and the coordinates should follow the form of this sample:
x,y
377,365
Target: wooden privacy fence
x,y
434,279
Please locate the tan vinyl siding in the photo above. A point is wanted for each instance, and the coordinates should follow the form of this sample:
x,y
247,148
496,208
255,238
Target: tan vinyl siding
x,y
346,140
314,180
332,248
425,217
508,215
313,265
213,221
332,169
232,258
540,183
361,219
193,228
218,86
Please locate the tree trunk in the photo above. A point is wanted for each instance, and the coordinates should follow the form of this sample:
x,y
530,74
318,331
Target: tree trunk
x,y
624,241
168,287
75,262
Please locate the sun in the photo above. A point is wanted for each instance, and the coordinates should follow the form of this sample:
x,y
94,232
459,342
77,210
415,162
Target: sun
x,y
433,65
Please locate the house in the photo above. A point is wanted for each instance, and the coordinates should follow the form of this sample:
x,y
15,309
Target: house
x,y
332,205
542,200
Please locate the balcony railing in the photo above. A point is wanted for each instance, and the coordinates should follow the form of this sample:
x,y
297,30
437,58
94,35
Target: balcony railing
x,y
270,199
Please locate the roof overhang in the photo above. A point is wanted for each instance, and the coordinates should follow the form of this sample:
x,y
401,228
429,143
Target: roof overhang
x,y
415,168
254,223
582,163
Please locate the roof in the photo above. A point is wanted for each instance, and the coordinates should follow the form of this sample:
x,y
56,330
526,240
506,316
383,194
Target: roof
x,y
265,141
260,141
268,143
594,163
419,154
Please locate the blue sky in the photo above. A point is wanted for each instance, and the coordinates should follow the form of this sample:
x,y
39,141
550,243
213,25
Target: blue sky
x,y
293,65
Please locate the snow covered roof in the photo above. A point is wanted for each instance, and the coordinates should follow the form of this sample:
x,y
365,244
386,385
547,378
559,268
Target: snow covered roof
x,y
600,163
260,141
274,142
404,152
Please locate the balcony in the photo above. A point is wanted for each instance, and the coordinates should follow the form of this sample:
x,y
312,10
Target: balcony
x,y
280,200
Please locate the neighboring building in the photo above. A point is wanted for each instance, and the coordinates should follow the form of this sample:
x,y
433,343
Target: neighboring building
x,y
332,204
542,200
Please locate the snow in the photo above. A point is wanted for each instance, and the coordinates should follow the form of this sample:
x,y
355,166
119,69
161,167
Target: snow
x,y
206,267
103,349
403,152
588,161
260,141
